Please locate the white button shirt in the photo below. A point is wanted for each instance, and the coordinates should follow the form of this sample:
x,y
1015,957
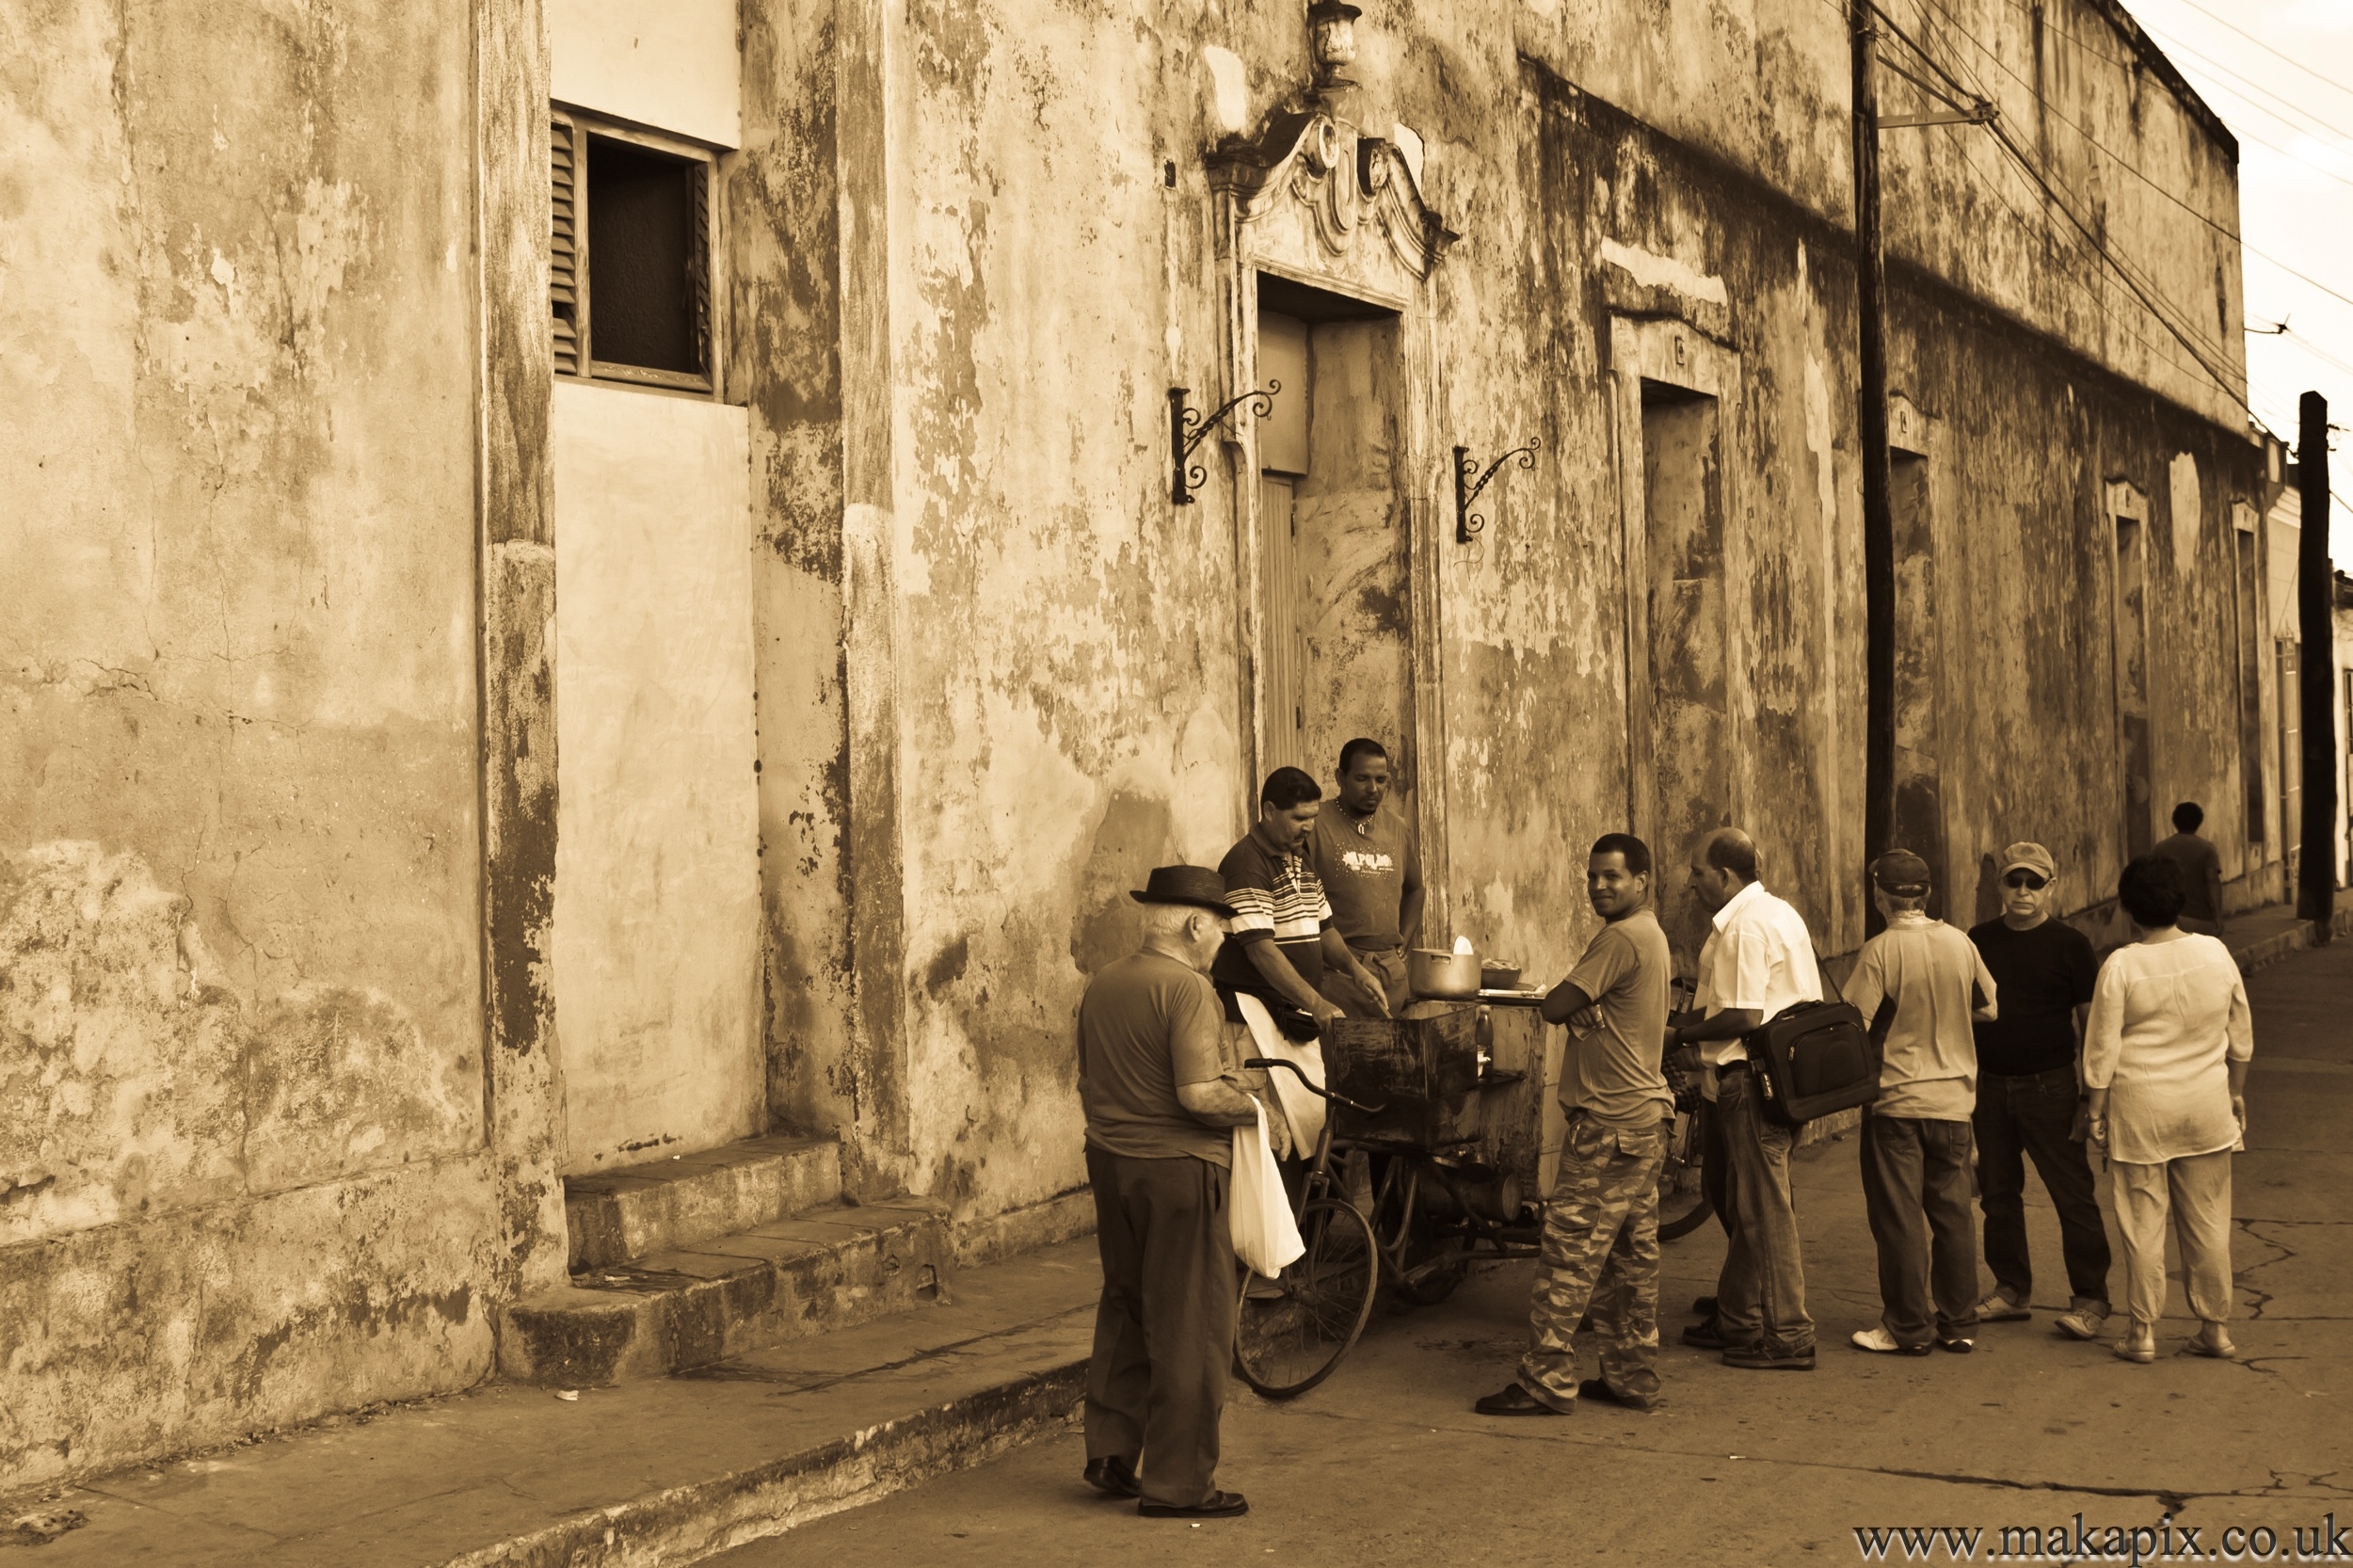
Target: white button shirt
x,y
1759,956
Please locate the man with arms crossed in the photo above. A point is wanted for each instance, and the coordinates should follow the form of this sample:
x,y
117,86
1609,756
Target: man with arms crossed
x,y
1759,960
1160,1152
2030,1094
1916,1135
1601,1230
1363,854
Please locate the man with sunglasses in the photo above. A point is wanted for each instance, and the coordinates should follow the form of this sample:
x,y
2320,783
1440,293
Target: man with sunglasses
x,y
2029,1088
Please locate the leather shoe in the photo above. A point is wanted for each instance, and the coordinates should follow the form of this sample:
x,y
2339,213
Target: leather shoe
x,y
1114,1477
1707,1334
1703,1306
1755,1358
1514,1401
1601,1393
1217,1505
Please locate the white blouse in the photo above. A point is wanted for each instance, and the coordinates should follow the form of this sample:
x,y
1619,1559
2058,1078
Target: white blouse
x,y
2165,1017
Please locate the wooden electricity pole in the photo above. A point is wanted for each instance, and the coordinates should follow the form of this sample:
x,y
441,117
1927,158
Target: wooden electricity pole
x,y
1878,511
2315,606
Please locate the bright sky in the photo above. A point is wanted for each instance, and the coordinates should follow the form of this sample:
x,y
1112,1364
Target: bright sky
x,y
2293,116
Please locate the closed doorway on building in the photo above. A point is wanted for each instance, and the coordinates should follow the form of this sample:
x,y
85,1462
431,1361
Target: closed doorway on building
x,y
1337,639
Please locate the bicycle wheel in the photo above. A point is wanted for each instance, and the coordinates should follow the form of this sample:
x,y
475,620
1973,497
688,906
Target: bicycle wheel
x,y
1683,1205
1290,1337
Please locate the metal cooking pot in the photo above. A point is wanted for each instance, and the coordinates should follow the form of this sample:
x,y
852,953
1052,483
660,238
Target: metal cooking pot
x,y
1436,972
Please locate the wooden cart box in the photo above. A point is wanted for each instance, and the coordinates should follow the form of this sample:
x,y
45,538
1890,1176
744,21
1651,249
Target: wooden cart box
x,y
1422,1072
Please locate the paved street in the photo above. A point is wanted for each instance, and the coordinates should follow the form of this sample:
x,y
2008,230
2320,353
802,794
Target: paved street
x,y
1386,1463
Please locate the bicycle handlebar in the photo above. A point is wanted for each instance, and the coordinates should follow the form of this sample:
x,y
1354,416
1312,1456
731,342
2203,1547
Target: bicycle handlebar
x,y
1314,1088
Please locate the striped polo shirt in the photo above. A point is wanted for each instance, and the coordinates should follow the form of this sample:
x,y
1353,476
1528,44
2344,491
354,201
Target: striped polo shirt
x,y
1276,896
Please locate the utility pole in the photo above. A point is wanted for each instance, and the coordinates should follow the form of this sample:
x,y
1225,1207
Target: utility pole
x,y
2315,606
1878,511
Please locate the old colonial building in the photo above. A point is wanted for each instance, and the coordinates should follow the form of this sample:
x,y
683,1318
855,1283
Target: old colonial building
x,y
590,582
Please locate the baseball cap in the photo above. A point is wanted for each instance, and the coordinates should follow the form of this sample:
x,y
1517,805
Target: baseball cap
x,y
1901,872
2029,855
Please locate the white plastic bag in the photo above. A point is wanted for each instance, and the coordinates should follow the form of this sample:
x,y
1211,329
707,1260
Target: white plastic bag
x,y
1266,1236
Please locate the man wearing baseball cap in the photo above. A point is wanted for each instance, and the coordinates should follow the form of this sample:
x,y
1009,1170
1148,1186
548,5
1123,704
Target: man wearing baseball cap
x,y
1916,1135
2029,1094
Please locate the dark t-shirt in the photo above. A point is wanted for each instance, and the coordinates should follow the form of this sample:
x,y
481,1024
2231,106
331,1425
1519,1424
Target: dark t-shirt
x,y
2043,975
1146,1025
2201,870
1364,863
1276,897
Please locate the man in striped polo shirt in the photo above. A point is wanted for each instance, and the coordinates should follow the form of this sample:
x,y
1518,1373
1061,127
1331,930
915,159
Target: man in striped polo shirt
x,y
1282,936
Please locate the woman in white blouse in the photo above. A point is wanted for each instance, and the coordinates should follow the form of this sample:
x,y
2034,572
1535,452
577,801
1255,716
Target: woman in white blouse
x,y
2164,1057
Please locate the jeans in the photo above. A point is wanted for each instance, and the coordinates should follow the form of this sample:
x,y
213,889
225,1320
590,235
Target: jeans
x,y
2029,1117
1915,1194
1760,1296
1600,1250
1165,1329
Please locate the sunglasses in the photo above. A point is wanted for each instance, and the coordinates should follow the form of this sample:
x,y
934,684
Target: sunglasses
x,y
2026,880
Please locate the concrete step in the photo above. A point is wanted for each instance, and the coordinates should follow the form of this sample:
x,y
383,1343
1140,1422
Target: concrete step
x,y
644,1474
636,1210
831,1267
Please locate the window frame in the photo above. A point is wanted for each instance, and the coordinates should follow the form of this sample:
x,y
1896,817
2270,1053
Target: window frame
x,y
583,123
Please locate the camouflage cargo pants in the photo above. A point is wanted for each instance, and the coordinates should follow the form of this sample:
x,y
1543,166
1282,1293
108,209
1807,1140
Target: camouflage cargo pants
x,y
1600,1251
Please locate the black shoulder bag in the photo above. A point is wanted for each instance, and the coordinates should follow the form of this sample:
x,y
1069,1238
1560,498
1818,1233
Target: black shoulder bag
x,y
1815,1058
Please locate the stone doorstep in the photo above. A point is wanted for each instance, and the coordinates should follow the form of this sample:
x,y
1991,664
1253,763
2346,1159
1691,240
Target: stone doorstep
x,y
681,1200
826,1268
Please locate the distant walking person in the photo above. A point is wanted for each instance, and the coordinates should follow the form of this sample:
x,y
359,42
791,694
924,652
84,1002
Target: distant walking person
x,y
1759,960
2166,1055
2201,870
1601,1230
1915,1136
1158,1155
2031,1103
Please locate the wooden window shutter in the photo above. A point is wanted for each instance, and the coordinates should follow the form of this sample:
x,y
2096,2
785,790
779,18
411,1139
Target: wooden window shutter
x,y
563,247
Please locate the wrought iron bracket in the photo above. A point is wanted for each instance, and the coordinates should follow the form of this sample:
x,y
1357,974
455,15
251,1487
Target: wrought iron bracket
x,y
1189,427
1466,521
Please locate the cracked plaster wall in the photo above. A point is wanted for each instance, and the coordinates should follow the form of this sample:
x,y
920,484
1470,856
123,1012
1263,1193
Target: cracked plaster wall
x,y
241,1177
987,287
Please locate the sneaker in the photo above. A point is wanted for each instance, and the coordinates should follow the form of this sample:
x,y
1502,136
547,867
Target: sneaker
x,y
1957,1345
1998,1309
1601,1393
2214,1341
2082,1323
1880,1342
1757,1358
1707,1335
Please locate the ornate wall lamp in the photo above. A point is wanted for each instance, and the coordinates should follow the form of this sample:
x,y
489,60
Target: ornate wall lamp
x,y
1466,521
1189,427
1332,39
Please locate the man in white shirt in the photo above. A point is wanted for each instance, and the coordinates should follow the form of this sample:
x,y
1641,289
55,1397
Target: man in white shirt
x,y
1759,960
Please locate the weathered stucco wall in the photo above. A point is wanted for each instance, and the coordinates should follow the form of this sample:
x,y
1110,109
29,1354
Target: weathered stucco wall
x,y
657,866
999,672
241,1090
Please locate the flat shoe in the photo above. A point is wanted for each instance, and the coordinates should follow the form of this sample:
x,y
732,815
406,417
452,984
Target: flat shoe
x,y
1514,1401
1217,1505
2127,1351
1703,1306
1957,1345
1880,1342
1754,1359
2082,1323
1998,1309
1708,1336
1114,1477
2199,1345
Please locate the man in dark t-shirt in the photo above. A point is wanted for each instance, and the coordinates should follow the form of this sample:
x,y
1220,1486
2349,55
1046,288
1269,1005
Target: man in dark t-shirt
x,y
2029,1084
1362,852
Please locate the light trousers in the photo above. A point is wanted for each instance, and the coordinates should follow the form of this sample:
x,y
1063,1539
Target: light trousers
x,y
2191,1197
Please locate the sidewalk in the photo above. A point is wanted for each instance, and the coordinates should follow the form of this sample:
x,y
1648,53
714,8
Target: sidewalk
x,y
2266,936
661,1471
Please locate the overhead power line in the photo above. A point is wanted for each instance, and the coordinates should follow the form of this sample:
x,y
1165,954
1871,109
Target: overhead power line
x,y
2287,59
